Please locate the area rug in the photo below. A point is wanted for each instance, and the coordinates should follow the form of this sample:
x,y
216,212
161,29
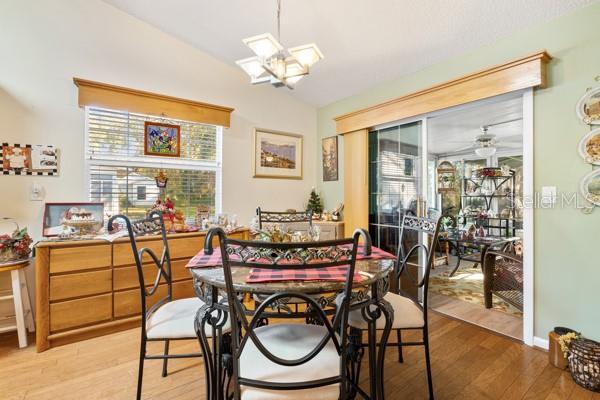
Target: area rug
x,y
466,285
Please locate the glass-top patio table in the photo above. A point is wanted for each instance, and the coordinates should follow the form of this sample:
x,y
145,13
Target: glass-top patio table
x,y
479,244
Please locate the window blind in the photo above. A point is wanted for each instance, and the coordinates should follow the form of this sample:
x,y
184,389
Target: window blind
x,y
120,135
123,178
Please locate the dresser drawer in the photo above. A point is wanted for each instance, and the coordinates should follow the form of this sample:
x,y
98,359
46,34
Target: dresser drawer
x,y
123,255
127,277
179,248
183,289
128,303
80,284
73,313
80,258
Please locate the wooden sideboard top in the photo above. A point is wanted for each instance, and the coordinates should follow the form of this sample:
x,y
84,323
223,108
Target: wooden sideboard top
x,y
125,239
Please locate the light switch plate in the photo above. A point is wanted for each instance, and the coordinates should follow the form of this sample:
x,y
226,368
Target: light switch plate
x,y
37,192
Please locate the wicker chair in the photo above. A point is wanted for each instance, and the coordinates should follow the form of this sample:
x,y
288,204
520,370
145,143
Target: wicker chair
x,y
503,277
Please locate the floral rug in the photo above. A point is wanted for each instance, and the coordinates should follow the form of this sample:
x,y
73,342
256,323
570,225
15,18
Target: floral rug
x,y
466,285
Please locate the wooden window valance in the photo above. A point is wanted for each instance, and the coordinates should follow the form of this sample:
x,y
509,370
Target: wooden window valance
x,y
519,74
120,98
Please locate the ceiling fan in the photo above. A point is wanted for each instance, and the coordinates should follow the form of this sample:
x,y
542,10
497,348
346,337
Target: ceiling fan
x,y
486,144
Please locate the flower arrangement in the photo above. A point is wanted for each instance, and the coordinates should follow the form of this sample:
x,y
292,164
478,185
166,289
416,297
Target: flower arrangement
x,y
15,246
565,341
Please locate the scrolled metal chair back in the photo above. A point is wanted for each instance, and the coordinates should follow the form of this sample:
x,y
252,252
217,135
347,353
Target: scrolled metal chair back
x,y
424,246
153,224
287,256
283,217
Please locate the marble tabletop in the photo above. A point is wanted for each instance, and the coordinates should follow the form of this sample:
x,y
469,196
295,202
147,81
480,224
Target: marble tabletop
x,y
371,271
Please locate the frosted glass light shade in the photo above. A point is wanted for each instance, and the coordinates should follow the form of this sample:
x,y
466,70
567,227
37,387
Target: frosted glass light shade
x,y
307,54
264,45
253,67
485,151
294,68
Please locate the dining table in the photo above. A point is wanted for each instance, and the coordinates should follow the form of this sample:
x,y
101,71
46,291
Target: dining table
x,y
480,244
371,283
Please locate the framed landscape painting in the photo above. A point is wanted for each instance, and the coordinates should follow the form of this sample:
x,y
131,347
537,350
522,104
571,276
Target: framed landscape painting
x,y
330,159
277,154
162,139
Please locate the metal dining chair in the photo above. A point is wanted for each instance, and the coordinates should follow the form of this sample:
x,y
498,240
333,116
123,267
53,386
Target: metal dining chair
x,y
409,312
167,319
283,217
286,360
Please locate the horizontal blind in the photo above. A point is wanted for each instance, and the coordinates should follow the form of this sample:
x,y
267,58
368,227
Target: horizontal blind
x,y
123,178
120,135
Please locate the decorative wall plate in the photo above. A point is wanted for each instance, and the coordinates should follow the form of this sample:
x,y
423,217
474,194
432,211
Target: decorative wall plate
x,y
589,147
588,107
590,187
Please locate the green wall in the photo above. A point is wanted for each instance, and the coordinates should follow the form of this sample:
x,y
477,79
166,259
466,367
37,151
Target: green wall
x,y
567,267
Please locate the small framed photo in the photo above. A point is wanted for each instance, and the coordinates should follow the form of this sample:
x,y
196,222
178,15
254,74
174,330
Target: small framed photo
x,y
16,159
277,154
162,139
27,159
78,218
330,159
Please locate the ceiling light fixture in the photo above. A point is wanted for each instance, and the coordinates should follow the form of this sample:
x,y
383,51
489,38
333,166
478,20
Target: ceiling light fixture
x,y
272,64
486,143
485,152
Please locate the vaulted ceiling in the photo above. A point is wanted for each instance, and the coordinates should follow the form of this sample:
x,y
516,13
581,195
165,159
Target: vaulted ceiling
x,y
365,42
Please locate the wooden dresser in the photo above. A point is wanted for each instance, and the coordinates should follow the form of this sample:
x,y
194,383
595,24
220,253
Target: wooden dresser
x,y
89,288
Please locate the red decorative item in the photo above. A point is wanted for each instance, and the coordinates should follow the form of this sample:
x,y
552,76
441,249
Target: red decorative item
x,y
15,246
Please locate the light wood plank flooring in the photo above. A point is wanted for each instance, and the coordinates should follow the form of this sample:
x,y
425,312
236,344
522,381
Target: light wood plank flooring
x,y
468,363
491,319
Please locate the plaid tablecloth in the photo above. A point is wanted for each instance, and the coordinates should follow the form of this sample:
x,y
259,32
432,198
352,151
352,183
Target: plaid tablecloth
x,y
337,273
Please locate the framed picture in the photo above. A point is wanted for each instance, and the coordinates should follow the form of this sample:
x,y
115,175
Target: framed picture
x,y
16,159
44,158
330,159
162,139
277,154
588,107
83,218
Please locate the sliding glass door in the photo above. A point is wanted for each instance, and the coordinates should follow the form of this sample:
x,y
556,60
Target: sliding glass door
x,y
395,180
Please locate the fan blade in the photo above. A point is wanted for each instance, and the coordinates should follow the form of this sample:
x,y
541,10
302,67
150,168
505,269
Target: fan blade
x,y
510,145
511,138
463,149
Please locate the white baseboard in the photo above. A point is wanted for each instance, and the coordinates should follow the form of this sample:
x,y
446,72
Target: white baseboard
x,y
540,342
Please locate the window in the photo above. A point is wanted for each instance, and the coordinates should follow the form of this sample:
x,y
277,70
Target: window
x,y
123,178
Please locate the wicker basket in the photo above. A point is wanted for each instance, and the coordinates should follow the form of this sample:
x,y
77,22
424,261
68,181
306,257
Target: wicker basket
x,y
584,363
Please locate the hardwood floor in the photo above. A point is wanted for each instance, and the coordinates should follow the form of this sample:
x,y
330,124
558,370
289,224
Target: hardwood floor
x,y
468,363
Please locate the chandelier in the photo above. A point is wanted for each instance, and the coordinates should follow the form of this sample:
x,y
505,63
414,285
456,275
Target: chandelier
x,y
272,64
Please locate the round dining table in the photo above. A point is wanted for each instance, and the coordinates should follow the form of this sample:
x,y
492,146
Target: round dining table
x,y
367,295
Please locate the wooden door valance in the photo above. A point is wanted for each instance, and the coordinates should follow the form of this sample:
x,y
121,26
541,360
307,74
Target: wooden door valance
x,y
515,75
120,98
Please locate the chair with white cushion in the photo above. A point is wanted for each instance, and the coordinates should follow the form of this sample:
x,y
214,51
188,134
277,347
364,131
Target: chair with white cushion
x,y
167,319
287,360
418,239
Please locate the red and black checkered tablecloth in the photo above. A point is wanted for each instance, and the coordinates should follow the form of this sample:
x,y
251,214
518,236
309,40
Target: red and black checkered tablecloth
x,y
336,273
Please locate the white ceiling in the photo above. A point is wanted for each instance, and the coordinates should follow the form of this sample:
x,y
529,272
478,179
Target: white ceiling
x,y
365,42
454,129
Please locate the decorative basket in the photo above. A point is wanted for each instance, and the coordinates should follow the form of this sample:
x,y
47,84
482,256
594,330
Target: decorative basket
x,y
584,363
